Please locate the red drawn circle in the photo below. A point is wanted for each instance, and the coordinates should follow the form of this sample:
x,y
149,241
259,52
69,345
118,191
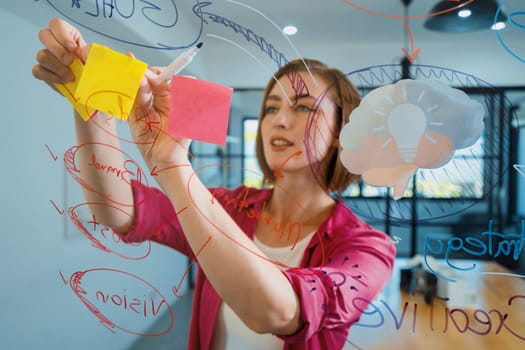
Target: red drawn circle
x,y
99,243
137,174
85,292
386,15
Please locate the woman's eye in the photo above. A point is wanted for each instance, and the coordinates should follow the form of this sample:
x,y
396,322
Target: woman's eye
x,y
269,110
304,108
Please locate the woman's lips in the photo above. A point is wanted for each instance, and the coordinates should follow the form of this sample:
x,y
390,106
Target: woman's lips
x,y
279,143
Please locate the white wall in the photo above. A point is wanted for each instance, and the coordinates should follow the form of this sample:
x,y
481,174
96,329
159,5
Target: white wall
x,y
39,311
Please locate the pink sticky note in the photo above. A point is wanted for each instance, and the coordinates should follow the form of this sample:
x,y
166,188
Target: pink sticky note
x,y
199,110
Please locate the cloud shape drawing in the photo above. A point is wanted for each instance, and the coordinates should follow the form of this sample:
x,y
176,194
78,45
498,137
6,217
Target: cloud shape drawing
x,y
411,124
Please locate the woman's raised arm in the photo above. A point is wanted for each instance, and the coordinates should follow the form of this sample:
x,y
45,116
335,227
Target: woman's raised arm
x,y
62,43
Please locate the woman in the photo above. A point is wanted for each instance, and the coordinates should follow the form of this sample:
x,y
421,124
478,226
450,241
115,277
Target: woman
x,y
287,267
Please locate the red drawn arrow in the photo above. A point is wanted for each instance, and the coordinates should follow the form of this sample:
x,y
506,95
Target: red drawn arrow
x,y
61,212
277,171
73,97
63,278
51,152
175,289
412,55
155,171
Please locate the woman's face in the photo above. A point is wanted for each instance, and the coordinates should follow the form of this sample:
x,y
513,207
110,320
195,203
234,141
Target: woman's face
x,y
295,109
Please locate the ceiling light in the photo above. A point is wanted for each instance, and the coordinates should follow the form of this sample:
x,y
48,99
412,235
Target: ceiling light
x,y
290,30
445,16
463,13
498,26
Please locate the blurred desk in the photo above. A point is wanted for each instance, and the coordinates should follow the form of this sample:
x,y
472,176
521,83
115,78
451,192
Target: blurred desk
x,y
398,320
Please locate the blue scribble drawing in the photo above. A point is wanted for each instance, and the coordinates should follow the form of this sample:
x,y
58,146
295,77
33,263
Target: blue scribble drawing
x,y
266,47
513,20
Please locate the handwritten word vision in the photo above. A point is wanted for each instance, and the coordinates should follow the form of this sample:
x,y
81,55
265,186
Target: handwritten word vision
x,y
127,308
490,243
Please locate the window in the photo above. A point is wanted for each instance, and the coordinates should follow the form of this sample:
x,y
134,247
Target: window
x,y
251,173
463,177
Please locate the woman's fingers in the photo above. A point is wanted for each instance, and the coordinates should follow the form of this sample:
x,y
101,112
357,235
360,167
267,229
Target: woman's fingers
x,y
50,69
62,42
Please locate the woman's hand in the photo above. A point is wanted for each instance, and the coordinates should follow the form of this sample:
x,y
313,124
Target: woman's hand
x,y
148,120
62,43
149,125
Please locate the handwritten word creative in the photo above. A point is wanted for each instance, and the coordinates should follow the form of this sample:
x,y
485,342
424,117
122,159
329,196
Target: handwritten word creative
x,y
127,303
490,243
441,319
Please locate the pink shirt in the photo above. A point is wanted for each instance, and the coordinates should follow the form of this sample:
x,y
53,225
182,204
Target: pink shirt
x,y
343,268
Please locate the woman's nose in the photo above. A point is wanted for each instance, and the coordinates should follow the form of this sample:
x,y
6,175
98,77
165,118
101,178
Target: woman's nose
x,y
282,120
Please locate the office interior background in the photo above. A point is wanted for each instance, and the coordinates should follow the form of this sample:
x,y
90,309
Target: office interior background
x,y
482,188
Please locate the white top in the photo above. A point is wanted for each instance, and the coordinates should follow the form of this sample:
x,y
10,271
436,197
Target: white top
x,y
230,331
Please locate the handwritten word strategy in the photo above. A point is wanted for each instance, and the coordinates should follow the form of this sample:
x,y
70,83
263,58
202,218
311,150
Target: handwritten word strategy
x,y
493,244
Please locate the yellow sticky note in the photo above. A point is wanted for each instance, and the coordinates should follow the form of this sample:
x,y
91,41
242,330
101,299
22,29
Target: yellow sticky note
x,y
69,90
110,81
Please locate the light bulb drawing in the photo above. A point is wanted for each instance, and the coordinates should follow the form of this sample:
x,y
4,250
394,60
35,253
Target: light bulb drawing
x,y
411,124
407,123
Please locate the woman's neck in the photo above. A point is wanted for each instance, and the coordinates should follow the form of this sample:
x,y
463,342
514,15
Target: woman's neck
x,y
294,211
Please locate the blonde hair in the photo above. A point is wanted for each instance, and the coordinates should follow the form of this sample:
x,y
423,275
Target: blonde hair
x,y
330,172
